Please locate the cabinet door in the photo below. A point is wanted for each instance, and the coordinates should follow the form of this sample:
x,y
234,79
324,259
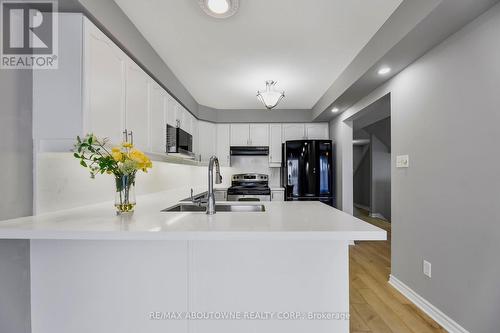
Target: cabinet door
x,y
196,136
293,132
259,134
181,116
136,106
207,138
171,111
157,104
104,85
275,145
240,135
317,131
223,142
277,195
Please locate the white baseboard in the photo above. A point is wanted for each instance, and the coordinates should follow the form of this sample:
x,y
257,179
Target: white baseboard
x,y
446,322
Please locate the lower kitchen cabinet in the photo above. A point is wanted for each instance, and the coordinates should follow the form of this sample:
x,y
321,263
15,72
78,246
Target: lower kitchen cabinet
x,y
277,194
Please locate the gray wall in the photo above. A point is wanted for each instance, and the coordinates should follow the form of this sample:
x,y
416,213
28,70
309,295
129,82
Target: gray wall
x,y
445,115
380,178
16,200
15,310
362,176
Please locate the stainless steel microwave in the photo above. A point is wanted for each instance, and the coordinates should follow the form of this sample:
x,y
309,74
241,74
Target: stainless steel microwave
x,y
179,141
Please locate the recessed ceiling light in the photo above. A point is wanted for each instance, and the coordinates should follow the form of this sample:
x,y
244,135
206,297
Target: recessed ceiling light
x,y
384,70
335,110
219,8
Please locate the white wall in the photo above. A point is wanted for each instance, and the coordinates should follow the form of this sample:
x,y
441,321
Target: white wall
x,y
446,116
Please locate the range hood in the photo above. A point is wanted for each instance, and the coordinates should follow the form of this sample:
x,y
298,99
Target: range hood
x,y
249,151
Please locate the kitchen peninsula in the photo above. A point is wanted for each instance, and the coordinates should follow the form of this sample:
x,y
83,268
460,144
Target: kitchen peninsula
x,y
91,269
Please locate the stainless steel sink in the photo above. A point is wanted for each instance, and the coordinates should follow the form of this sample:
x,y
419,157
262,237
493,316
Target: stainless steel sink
x,y
184,207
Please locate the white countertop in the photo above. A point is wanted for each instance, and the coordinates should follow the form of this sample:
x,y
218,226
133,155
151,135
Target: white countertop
x,y
281,220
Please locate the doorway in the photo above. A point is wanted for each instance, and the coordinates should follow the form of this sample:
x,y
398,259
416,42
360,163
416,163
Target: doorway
x,y
371,130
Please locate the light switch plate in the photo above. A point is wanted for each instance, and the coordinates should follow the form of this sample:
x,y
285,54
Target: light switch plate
x,y
427,268
402,161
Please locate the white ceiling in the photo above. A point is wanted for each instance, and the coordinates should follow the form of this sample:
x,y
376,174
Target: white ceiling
x,y
302,44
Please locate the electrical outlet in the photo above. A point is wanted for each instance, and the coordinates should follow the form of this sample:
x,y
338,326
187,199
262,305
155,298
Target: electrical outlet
x,y
427,268
402,161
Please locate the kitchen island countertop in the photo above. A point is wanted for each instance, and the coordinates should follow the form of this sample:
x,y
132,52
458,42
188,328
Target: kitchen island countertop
x,y
281,220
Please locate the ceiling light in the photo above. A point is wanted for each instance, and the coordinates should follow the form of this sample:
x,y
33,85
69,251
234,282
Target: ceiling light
x,y
384,70
270,98
335,110
219,8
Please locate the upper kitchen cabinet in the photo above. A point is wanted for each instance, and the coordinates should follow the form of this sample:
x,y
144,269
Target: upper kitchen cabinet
x,y
171,111
207,140
317,131
158,100
294,132
259,135
104,77
223,143
137,105
240,135
275,145
106,92
249,134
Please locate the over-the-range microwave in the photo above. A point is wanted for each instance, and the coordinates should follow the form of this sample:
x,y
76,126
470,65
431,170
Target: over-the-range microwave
x,y
179,141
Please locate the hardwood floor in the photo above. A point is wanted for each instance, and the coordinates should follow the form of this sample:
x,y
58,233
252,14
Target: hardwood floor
x,y
376,307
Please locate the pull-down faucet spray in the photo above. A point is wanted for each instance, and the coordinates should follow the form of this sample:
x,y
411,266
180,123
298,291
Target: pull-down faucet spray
x,y
218,180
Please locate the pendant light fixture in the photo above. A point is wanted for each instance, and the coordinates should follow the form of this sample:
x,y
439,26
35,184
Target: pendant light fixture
x,y
271,97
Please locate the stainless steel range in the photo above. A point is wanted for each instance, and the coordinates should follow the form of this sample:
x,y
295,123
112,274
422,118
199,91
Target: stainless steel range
x,y
249,187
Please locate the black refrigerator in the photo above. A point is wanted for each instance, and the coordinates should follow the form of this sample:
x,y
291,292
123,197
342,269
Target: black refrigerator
x,y
308,171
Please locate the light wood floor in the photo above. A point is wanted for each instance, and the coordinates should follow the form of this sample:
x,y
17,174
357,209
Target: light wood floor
x,y
375,305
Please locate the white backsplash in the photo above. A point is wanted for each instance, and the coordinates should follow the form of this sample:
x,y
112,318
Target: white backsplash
x,y
258,164
61,183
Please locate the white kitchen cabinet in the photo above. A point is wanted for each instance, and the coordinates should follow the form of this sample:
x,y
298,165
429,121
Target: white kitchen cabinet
x,y
137,105
104,78
317,131
223,144
207,139
275,142
106,92
240,135
259,135
220,194
278,194
293,132
249,134
157,103
171,111
195,134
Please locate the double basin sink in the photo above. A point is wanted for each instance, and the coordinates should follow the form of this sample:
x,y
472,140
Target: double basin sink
x,y
189,207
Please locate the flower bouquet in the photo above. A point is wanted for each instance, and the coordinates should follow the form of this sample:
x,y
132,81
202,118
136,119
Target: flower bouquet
x,y
123,162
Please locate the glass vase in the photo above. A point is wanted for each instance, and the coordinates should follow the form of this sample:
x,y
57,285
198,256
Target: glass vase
x,y
125,194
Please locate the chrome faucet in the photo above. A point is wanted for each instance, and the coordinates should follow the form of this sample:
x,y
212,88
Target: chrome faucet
x,y
218,180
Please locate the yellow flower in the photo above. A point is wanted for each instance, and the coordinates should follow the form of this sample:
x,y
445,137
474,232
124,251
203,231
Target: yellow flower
x,y
116,149
117,155
127,145
143,162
